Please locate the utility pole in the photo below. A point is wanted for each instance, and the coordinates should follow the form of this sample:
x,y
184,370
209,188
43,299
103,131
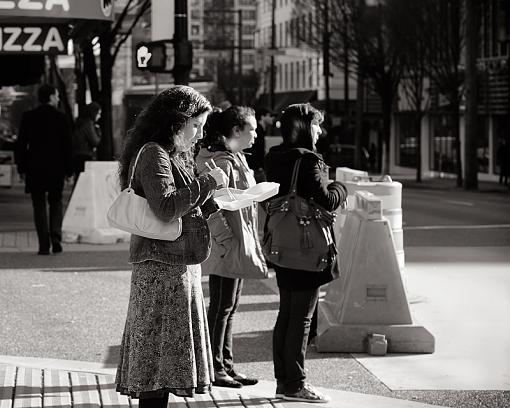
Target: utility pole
x,y
182,45
240,56
325,55
471,39
273,48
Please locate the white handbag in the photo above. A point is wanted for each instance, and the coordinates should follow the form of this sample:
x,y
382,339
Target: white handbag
x,y
131,213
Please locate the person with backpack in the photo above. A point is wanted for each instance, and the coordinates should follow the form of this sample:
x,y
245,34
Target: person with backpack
x,y
299,289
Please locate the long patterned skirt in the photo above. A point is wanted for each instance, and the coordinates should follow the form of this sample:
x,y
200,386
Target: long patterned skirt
x,y
165,347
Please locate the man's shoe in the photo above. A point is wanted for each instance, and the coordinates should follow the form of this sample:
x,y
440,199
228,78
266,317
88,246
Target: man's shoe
x,y
306,394
225,380
43,252
243,379
57,248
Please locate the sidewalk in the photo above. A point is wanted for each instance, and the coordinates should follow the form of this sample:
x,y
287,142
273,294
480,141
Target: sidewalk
x,y
33,382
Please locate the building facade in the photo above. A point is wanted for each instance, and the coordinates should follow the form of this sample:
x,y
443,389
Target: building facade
x,y
437,141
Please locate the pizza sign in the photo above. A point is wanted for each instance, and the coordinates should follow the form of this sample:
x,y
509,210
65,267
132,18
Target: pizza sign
x,y
33,39
69,9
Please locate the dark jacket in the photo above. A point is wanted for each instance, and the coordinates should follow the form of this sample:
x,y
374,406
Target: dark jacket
x,y
172,193
85,138
312,183
255,154
43,149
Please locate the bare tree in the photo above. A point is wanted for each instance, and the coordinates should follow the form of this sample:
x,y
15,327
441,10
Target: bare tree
x,y
444,22
111,37
413,40
363,43
471,31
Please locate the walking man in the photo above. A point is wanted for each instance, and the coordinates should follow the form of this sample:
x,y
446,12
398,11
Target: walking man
x,y
44,158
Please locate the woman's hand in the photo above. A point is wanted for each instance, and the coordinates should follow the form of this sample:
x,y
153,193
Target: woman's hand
x,y
218,174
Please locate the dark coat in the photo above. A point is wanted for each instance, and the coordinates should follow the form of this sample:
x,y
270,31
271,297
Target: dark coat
x,y
312,183
43,149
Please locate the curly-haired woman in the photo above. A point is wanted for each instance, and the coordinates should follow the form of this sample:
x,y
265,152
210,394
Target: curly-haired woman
x,y
165,347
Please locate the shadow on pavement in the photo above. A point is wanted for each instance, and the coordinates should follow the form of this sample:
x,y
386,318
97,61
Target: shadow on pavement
x,y
67,261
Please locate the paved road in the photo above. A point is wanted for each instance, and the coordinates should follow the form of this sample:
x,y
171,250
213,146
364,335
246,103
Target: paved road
x,y
73,306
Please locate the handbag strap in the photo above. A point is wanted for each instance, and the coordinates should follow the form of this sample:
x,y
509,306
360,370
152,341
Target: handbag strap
x,y
134,165
293,181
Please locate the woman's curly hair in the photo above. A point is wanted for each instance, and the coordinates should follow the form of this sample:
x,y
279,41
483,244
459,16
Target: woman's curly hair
x,y
160,122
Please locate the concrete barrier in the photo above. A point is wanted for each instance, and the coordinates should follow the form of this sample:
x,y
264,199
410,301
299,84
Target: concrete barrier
x,y
369,297
85,218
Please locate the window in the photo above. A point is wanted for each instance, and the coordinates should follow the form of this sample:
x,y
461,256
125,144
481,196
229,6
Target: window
x,y
248,29
500,126
291,75
195,29
248,59
303,65
407,141
286,74
280,35
310,27
280,83
287,34
248,44
442,144
298,74
310,73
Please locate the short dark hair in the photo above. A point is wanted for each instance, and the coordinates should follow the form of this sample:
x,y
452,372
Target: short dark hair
x,y
45,91
262,111
220,124
296,122
91,110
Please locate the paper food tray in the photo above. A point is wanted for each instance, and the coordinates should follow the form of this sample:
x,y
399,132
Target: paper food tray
x,y
244,198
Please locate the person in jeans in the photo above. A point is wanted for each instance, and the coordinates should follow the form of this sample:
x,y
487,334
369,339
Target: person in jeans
x,y
165,346
299,290
236,251
43,154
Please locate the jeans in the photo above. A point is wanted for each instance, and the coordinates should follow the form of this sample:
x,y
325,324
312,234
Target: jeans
x,y
224,295
290,336
48,233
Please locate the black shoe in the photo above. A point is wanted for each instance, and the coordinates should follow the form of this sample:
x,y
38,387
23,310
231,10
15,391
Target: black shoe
x,y
242,378
226,381
43,252
57,248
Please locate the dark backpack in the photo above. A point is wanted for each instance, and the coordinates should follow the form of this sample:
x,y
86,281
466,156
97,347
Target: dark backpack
x,y
298,232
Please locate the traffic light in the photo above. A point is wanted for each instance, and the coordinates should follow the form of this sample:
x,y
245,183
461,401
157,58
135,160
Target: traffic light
x,y
155,56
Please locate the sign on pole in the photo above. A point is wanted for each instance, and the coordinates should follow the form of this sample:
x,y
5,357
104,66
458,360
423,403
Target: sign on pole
x,y
162,20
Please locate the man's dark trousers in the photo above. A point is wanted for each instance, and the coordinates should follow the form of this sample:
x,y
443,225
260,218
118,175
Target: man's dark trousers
x,y
49,229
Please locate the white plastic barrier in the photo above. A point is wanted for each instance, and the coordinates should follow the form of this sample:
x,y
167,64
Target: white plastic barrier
x,y
85,218
369,296
348,174
390,193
